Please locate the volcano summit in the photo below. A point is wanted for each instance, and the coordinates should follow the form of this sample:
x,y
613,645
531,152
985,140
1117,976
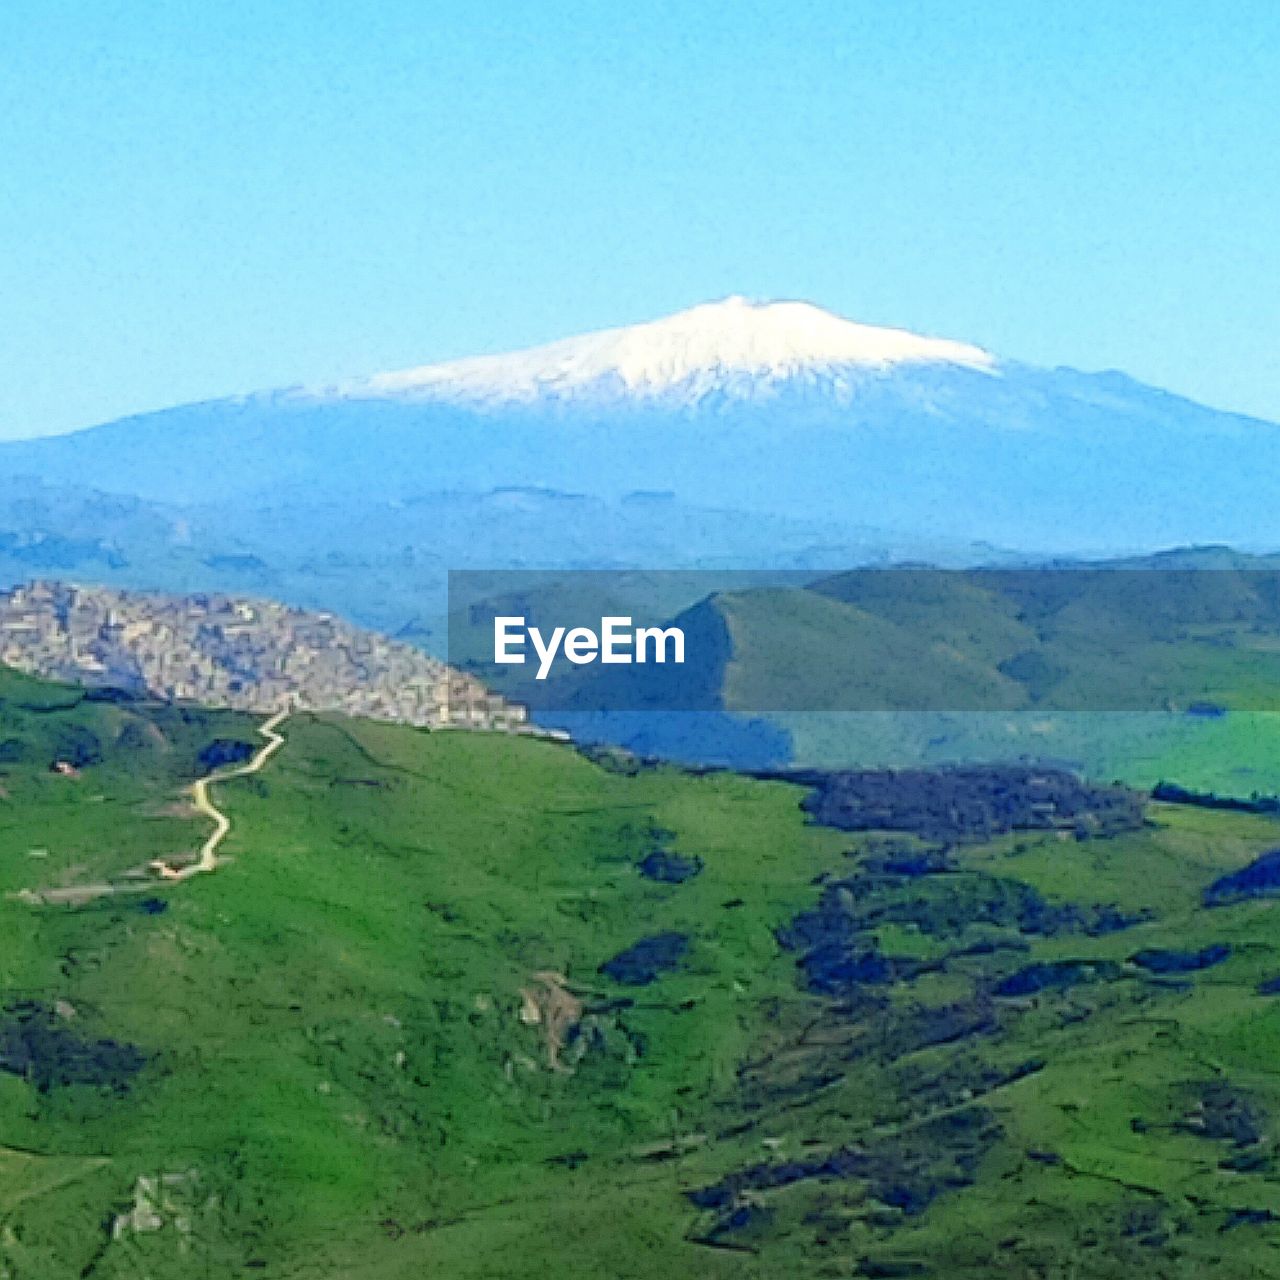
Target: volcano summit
x,y
763,409
737,348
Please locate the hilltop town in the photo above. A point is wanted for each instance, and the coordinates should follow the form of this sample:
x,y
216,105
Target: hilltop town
x,y
224,651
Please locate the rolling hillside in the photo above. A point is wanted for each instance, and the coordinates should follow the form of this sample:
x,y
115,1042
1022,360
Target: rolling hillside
x,y
479,1006
1138,668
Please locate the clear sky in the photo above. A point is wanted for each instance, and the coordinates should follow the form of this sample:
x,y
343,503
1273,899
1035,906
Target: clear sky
x,y
202,198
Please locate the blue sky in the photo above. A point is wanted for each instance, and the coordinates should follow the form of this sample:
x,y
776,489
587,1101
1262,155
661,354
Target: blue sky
x,y
202,199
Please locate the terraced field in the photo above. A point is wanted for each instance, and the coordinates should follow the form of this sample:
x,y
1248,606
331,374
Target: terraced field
x,y
474,1006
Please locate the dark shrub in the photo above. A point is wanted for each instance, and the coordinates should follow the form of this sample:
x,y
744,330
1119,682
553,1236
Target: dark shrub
x,y
78,746
35,1045
641,964
1157,961
1260,879
669,868
226,751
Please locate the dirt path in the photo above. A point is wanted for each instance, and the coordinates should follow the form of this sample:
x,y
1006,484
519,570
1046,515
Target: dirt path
x,y
208,859
78,895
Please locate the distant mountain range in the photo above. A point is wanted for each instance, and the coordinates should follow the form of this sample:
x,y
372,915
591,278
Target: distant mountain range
x,y
782,409
734,435
384,563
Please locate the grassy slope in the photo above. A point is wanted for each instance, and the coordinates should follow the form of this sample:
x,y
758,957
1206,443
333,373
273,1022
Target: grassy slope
x,y
1238,754
1067,641
133,760
800,649
829,665
391,894
336,1050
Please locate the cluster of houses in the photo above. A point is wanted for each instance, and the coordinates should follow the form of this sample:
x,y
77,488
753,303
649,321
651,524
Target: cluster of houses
x,y
224,651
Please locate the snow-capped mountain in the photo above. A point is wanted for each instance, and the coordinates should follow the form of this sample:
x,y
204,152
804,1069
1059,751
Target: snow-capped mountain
x,y
735,348
780,409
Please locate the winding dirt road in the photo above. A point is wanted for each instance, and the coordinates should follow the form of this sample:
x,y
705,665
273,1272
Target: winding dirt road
x,y
208,858
79,895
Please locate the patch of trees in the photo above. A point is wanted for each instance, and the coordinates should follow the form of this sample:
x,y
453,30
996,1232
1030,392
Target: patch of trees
x,y
1260,879
1056,975
907,1170
836,939
645,962
669,868
35,1045
1157,960
969,803
1224,1113
79,746
226,751
1171,793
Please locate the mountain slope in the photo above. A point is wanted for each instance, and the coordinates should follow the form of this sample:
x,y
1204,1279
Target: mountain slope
x,y
1128,636
1130,669
781,409
474,1006
382,563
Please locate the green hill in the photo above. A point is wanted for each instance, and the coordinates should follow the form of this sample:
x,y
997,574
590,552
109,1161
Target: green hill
x,y
1165,667
1083,639
809,650
476,1006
